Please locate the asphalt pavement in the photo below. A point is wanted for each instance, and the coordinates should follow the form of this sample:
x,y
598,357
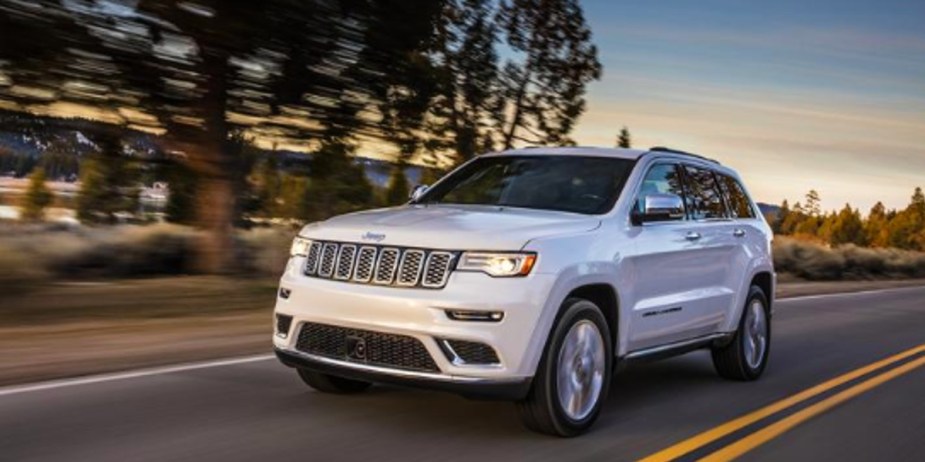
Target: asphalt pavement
x,y
258,410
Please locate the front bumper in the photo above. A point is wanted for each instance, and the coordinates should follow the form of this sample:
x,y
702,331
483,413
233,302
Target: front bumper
x,y
421,313
472,387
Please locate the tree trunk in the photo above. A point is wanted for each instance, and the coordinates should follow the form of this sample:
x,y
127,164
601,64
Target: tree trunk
x,y
214,165
518,107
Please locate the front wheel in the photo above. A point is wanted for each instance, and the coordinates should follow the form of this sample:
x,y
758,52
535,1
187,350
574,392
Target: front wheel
x,y
747,355
574,374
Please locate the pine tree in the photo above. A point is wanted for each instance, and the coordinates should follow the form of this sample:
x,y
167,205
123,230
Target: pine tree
x,y
292,197
876,230
267,185
813,206
847,228
917,206
37,197
552,61
430,175
624,140
336,185
107,185
782,214
468,92
181,201
906,228
793,220
398,188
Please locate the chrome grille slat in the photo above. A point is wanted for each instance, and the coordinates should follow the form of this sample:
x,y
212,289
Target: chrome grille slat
x,y
386,265
345,259
312,258
328,255
409,269
366,263
437,269
373,264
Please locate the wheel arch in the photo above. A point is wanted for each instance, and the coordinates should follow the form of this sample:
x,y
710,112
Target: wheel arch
x,y
765,281
603,295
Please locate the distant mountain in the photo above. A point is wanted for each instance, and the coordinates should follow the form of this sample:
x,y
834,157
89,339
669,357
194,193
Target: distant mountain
x,y
769,210
25,139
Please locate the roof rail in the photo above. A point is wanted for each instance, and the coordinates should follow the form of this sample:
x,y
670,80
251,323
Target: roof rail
x,y
677,151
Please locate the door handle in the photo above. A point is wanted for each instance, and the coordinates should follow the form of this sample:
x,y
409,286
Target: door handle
x,y
739,232
692,236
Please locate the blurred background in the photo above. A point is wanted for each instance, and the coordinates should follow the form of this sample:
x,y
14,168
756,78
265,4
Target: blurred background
x,y
157,157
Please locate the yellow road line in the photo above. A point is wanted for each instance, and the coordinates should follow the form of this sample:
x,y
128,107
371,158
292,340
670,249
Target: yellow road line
x,y
774,430
709,436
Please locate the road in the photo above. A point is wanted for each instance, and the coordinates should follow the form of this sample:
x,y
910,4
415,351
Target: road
x,y
259,410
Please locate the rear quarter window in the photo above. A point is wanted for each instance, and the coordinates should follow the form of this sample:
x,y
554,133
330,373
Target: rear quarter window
x,y
739,204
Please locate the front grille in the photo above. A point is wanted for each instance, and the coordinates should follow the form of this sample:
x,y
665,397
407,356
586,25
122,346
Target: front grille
x,y
393,266
469,352
381,349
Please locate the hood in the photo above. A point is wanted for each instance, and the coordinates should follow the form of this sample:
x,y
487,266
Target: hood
x,y
451,227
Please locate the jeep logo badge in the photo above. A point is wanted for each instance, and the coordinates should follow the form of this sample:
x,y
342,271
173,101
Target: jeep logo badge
x,y
375,237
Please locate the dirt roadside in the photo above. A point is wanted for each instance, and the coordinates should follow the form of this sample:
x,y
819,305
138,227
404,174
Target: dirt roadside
x,y
72,330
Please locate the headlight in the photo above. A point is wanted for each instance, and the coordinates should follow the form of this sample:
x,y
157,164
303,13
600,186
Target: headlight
x,y
498,264
299,247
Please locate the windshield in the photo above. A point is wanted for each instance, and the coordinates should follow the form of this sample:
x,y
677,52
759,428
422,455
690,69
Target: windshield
x,y
589,185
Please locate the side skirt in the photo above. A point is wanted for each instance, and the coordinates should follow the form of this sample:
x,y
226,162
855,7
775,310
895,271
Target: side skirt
x,y
672,349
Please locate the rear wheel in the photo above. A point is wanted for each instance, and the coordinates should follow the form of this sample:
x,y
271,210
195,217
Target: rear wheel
x,y
747,355
573,377
332,384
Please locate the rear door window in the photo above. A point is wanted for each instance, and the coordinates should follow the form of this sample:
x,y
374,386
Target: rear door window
x,y
702,193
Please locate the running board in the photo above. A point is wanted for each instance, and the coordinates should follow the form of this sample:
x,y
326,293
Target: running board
x,y
676,348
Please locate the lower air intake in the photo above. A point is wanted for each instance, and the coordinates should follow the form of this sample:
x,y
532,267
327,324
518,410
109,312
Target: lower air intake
x,y
461,352
378,349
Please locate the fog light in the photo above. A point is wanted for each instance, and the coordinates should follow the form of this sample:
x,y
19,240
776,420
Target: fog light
x,y
283,323
475,316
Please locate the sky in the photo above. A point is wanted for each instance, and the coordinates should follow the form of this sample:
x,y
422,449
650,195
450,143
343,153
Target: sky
x,y
795,95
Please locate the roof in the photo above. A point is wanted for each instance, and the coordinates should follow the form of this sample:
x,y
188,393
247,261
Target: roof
x,y
619,153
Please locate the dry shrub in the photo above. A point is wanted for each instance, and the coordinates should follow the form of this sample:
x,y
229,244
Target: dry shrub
x,y
814,261
266,250
131,251
77,252
17,270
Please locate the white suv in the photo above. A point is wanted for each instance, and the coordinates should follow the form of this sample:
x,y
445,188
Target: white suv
x,y
531,275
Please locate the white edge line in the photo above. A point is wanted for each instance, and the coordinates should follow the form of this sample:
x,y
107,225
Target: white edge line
x,y
16,389
847,294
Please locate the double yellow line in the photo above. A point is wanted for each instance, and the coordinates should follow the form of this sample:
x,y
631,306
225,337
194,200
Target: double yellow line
x,y
753,440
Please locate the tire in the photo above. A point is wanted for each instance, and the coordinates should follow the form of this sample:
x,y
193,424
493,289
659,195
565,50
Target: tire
x,y
332,384
580,336
739,360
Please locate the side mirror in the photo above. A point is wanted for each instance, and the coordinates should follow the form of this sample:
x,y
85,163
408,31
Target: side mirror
x,y
660,207
418,191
